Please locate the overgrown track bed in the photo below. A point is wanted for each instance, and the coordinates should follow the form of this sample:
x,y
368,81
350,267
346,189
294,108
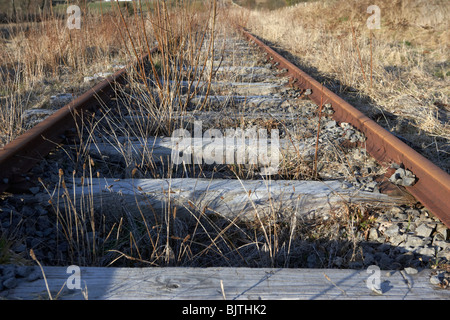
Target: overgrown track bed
x,y
243,161
432,185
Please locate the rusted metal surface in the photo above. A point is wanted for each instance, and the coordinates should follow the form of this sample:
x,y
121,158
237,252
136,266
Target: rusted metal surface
x,y
432,187
21,154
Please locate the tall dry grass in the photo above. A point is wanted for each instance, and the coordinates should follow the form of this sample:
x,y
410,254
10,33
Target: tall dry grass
x,y
398,75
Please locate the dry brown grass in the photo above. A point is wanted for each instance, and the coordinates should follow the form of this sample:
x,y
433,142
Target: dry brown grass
x,y
41,59
410,68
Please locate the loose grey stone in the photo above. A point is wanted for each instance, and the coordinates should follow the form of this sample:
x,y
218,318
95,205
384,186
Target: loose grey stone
x,y
40,210
368,258
444,254
8,271
312,261
34,275
413,212
395,165
384,247
10,283
384,261
355,265
23,271
27,211
20,248
373,234
346,185
436,279
397,239
392,231
97,76
414,241
34,190
424,230
403,177
405,258
443,230
370,187
35,242
391,253
408,181
50,256
376,290
330,124
396,210
427,252
338,261
410,270
43,222
441,243
48,232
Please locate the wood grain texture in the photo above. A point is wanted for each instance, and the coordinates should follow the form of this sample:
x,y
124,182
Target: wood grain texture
x,y
237,283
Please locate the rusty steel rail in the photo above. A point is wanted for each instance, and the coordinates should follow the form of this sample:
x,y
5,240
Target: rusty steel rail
x,y
432,187
20,155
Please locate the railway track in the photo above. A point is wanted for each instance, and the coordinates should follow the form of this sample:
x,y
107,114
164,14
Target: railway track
x,y
260,145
